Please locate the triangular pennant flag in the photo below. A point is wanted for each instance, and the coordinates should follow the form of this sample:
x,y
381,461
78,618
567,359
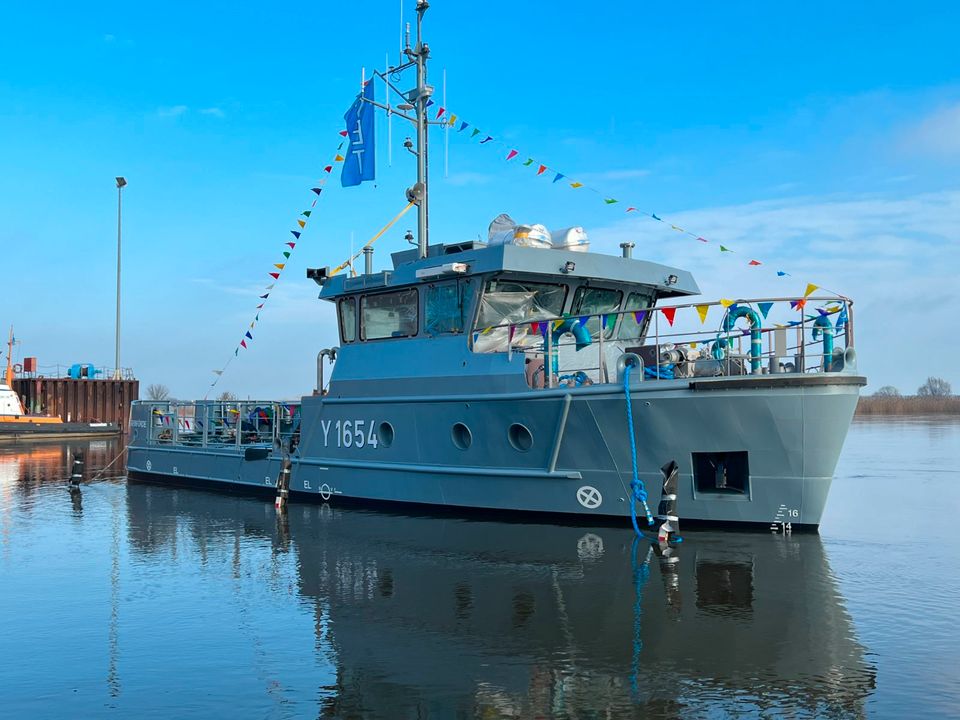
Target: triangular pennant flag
x,y
463,125
429,102
678,229
764,308
639,315
754,262
631,209
218,372
292,245
823,312
726,303
724,248
453,119
542,169
487,139
798,304
279,266
302,223
295,233
669,313
528,162
584,320
243,343
811,288
259,306
316,190
654,216
510,333
605,321
306,213
476,131
535,327
314,203
237,350
512,154
251,326
338,158
328,168
343,133
257,317
781,273
610,201
286,254
270,286
440,112
702,311
559,176
265,296
702,239
576,185
275,276
339,147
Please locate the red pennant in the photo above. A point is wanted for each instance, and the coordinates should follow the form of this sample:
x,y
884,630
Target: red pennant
x,y
668,313
275,276
702,239
511,155
243,343
440,112
631,209
292,245
343,133
754,262
328,168
542,170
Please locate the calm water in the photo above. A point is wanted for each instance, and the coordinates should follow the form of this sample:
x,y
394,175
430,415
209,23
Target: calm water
x,y
133,600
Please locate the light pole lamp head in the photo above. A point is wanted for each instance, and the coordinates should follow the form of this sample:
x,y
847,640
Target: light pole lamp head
x,y
121,181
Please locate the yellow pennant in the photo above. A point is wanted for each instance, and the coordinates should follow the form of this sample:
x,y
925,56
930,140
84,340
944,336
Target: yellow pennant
x,y
453,120
726,303
678,229
279,266
576,185
702,311
338,158
811,288
302,223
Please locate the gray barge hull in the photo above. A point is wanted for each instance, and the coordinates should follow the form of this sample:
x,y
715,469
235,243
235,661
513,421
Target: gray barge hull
x,y
778,438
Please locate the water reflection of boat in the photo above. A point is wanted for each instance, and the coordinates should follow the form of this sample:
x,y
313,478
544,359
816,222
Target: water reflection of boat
x,y
500,618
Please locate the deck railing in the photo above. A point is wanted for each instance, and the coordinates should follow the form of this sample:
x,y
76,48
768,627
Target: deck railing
x,y
756,336
222,423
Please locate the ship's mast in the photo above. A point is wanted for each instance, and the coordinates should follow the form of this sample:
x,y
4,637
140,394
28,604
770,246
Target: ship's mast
x,y
420,97
8,375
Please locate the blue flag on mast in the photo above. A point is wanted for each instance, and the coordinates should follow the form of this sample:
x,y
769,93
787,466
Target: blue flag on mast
x,y
359,163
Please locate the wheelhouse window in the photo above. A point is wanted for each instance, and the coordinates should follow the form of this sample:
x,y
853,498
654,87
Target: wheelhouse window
x,y
635,321
347,309
507,301
389,315
444,307
596,301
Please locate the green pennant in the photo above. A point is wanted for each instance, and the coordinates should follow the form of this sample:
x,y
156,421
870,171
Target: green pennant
x,y
528,163
306,213
723,248
475,132
286,253
610,201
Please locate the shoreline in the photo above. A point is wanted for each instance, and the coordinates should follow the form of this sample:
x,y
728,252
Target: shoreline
x,y
872,405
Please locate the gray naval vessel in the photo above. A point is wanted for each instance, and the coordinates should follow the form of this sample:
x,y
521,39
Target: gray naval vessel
x,y
527,373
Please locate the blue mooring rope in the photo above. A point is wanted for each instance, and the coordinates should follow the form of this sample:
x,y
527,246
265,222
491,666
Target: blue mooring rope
x,y
638,491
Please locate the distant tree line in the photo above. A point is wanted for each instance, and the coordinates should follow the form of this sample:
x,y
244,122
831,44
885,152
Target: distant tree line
x,y
934,387
934,397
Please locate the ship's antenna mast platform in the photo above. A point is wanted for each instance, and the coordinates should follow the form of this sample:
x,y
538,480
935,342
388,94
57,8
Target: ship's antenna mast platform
x,y
416,100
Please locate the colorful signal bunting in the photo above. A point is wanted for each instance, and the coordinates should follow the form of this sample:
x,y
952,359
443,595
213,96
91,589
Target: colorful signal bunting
x,y
557,175
279,267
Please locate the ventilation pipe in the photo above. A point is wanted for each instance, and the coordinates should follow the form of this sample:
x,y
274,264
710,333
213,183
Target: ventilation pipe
x,y
368,261
627,248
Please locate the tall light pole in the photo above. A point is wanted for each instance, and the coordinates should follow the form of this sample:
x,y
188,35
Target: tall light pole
x,y
116,365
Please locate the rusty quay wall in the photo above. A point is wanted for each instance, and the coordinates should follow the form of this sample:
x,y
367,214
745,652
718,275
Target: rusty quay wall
x,y
79,400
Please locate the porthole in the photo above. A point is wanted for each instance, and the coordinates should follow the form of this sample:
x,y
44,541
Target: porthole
x,y
461,436
520,437
385,434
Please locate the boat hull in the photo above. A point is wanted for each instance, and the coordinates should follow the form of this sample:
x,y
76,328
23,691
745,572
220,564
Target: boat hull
x,y
25,431
789,433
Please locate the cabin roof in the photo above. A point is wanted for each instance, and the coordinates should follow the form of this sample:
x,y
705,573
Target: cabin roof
x,y
483,259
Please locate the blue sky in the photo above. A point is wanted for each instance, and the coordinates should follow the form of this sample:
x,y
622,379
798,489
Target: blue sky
x,y
822,137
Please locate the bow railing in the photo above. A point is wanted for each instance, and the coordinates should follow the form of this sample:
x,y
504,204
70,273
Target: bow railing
x,y
754,337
